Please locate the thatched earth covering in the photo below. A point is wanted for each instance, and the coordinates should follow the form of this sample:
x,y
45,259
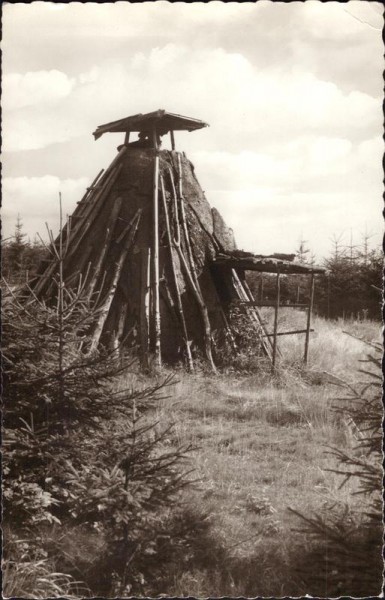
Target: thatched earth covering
x,y
98,239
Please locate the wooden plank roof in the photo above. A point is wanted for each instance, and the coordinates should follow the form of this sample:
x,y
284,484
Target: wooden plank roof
x,y
265,264
163,120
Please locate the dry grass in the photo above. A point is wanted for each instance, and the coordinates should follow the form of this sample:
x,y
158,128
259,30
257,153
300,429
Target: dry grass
x,y
30,574
261,450
331,349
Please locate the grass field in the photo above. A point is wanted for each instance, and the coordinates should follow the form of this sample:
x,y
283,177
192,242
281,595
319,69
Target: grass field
x,y
259,452
260,449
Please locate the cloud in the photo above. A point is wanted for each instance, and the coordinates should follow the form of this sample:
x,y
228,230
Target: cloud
x,y
264,221
305,164
294,136
40,88
36,199
243,104
335,41
312,187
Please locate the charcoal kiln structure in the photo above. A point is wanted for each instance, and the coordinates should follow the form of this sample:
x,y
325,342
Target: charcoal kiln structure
x,y
160,261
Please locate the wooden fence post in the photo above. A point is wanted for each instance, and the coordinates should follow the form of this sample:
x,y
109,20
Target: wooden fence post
x,y
309,312
277,302
155,256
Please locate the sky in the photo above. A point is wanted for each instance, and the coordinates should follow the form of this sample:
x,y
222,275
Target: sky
x,y
292,93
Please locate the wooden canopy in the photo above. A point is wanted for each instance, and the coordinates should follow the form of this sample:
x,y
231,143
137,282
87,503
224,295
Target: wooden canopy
x,y
162,120
264,264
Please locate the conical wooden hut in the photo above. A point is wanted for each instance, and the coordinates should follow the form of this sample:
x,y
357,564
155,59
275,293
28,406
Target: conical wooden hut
x,y
162,263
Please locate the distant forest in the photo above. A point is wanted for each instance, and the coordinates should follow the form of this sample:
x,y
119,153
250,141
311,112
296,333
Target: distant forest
x,y
351,288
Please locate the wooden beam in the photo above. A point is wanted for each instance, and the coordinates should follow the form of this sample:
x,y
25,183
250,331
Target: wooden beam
x,y
202,307
278,293
108,237
172,139
145,306
155,266
244,292
155,138
192,275
271,304
92,214
175,200
105,308
309,313
121,322
182,319
287,332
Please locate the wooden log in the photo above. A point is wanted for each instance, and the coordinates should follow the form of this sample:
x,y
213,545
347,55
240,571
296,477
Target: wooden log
x,y
258,314
82,202
105,308
50,271
155,266
288,332
172,139
215,242
308,321
82,230
179,304
271,304
242,291
107,241
188,242
193,275
278,299
168,299
176,211
202,307
184,224
118,339
85,259
228,329
261,289
145,306
79,235
77,212
155,138
93,198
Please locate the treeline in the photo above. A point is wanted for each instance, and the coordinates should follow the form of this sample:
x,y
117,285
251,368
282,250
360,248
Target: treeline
x,y
351,287
21,257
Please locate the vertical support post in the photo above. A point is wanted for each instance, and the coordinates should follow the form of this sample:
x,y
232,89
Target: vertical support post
x,y
309,312
155,139
155,254
175,279
145,306
277,301
172,139
127,137
261,289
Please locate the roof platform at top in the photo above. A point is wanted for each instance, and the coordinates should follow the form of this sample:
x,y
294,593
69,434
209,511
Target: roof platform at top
x,y
246,261
161,120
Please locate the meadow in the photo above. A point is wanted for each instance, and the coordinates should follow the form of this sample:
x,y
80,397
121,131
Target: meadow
x,y
257,457
261,442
